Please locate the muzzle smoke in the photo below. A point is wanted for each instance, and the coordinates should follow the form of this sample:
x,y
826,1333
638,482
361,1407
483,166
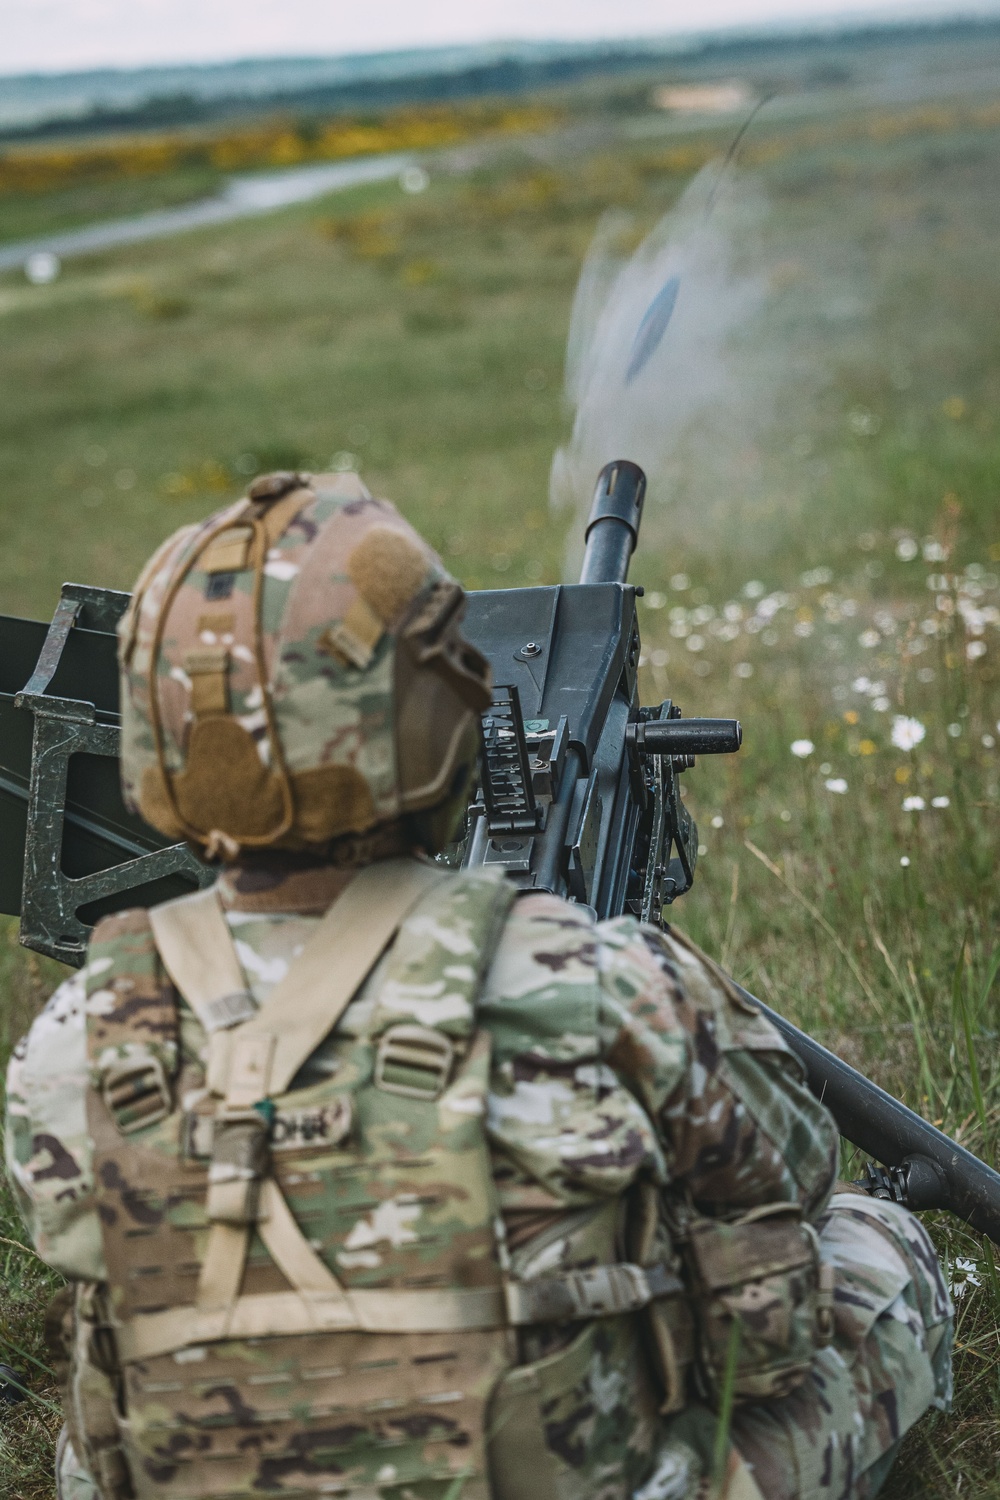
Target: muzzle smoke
x,y
682,356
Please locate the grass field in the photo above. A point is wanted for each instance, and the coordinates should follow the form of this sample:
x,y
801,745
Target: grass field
x,y
822,560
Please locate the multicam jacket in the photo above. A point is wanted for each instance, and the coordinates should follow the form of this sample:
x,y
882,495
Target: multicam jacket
x,y
620,1062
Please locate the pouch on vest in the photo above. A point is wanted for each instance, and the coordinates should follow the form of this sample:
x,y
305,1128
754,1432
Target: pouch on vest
x,y
759,1282
80,1347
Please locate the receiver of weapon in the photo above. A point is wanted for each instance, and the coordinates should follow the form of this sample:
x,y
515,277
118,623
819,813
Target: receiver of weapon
x,y
579,794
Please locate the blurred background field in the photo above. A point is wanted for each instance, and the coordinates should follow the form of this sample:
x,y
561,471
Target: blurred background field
x,y
821,553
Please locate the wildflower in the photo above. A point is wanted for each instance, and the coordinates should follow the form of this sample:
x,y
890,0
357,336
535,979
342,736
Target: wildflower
x,y
934,552
803,629
970,1276
861,684
954,730
907,734
754,589
975,649
743,669
988,742
851,716
655,600
680,581
802,748
816,577
785,816
913,804
835,784
869,639
880,705
902,775
659,658
940,802
904,860
718,821
825,769
906,549
867,747
696,642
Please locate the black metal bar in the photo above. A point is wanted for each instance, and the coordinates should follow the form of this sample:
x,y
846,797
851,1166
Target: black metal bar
x,y
886,1129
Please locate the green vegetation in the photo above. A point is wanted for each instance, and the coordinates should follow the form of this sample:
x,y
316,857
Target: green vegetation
x,y
826,575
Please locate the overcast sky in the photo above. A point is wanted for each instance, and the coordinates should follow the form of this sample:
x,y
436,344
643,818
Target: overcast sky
x,y
57,34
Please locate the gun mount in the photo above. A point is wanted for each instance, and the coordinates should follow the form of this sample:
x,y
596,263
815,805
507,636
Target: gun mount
x,y
579,794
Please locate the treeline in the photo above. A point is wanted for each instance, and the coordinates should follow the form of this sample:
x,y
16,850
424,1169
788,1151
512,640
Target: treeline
x,y
497,78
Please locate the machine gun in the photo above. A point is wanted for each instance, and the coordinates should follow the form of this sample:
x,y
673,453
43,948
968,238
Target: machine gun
x,y
579,794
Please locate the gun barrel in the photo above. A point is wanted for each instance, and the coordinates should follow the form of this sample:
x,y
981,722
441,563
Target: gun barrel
x,y
942,1173
677,737
613,525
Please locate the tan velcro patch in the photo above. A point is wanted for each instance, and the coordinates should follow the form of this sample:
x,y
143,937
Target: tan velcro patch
x,y
388,569
228,553
225,784
355,637
216,624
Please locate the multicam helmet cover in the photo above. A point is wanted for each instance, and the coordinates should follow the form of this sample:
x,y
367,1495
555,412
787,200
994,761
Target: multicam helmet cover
x,y
293,672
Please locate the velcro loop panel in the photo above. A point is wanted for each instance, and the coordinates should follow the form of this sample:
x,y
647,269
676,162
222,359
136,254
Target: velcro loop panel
x,y
136,1092
599,1292
356,636
208,669
415,1061
229,552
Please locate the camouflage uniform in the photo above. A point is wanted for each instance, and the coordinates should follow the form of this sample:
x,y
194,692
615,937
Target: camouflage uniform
x,y
651,1074
610,1113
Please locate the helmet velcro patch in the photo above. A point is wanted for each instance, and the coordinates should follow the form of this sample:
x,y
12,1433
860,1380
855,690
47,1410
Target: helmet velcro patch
x,y
389,570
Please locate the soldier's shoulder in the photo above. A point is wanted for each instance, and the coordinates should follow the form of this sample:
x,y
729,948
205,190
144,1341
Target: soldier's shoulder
x,y
121,941
133,922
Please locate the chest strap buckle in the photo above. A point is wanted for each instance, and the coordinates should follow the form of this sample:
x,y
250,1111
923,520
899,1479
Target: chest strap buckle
x,y
240,1160
136,1092
414,1061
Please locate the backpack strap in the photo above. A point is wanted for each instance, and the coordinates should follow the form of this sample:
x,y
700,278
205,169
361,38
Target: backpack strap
x,y
261,1056
198,952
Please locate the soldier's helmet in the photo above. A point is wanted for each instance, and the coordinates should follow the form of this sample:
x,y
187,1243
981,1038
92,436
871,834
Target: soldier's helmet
x,y
293,673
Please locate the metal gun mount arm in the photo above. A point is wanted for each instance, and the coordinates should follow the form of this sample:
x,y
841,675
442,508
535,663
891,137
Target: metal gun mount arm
x,y
70,849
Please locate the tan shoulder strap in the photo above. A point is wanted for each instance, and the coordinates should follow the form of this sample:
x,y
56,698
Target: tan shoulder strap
x,y
270,1045
194,942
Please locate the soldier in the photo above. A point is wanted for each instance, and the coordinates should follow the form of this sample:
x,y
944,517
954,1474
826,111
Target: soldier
x,y
370,1180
